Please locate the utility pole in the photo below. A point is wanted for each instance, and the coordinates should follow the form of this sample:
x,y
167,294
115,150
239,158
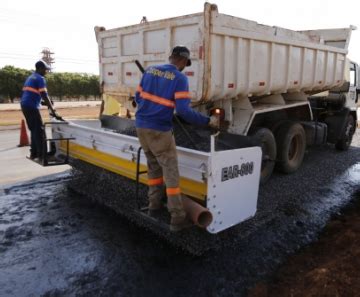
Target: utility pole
x,y
47,56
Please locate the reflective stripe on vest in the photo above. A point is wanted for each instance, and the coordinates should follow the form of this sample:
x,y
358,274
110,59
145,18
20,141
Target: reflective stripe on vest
x,y
30,89
157,99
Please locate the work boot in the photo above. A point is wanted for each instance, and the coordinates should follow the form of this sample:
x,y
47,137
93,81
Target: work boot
x,y
154,209
179,221
40,161
155,206
155,198
51,158
33,156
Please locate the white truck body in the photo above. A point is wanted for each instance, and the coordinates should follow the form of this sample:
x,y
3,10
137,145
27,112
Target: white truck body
x,y
231,57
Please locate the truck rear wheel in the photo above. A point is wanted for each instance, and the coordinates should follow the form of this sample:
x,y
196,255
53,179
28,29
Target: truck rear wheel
x,y
268,147
347,135
291,145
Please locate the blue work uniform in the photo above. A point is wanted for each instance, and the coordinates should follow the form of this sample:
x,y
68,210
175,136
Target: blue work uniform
x,y
162,89
34,89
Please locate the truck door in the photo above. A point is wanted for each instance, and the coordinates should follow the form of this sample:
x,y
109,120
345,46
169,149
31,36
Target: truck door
x,y
354,88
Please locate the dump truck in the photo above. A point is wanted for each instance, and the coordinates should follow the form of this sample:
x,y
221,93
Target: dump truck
x,y
276,91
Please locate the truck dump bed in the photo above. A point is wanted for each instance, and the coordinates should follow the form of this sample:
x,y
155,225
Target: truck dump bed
x,y
230,56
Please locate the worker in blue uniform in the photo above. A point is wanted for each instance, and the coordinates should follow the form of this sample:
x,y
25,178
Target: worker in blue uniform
x,y
163,88
34,91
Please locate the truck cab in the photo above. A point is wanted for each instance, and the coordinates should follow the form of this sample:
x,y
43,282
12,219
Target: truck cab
x,y
354,88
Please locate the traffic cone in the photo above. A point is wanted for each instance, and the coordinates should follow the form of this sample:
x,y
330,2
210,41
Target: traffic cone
x,y
24,140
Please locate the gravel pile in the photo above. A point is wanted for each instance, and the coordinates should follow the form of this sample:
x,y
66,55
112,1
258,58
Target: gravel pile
x,y
198,138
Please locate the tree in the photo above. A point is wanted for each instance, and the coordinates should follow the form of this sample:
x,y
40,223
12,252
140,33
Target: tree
x,y
60,85
11,81
73,85
94,85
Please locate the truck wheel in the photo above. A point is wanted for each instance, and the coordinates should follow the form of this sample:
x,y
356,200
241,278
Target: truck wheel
x,y
346,138
291,145
268,147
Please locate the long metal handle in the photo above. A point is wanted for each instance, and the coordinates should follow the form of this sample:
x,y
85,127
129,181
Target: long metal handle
x,y
138,64
186,132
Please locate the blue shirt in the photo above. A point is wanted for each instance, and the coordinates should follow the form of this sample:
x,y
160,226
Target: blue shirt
x,y
162,89
34,88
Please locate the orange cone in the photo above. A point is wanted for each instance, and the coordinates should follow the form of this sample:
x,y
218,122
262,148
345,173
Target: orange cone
x,y
24,140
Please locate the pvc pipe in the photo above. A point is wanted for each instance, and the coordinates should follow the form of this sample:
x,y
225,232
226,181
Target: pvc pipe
x,y
200,215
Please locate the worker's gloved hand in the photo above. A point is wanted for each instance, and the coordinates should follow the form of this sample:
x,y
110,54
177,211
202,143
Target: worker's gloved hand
x,y
43,102
214,122
56,116
59,118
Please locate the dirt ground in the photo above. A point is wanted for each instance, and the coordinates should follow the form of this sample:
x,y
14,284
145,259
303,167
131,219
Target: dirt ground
x,y
328,267
13,117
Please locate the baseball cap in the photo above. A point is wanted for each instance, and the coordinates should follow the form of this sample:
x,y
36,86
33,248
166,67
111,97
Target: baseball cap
x,y
42,64
182,51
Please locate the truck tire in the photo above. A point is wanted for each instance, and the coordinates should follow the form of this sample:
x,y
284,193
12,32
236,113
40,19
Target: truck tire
x,y
268,147
291,145
344,142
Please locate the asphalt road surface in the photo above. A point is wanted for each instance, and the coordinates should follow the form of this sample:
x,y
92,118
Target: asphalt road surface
x,y
54,242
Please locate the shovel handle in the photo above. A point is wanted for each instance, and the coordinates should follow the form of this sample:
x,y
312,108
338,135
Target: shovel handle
x,y
138,64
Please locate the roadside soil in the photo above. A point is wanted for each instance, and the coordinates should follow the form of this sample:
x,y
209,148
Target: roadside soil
x,y
13,117
328,267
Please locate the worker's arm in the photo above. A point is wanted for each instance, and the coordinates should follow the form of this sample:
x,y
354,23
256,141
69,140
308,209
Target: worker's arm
x,y
137,94
182,102
45,98
47,101
50,106
139,90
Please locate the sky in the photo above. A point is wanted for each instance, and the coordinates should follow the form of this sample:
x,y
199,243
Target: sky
x,y
67,26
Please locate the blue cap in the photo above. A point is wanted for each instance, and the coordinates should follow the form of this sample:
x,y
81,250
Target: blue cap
x,y
41,64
